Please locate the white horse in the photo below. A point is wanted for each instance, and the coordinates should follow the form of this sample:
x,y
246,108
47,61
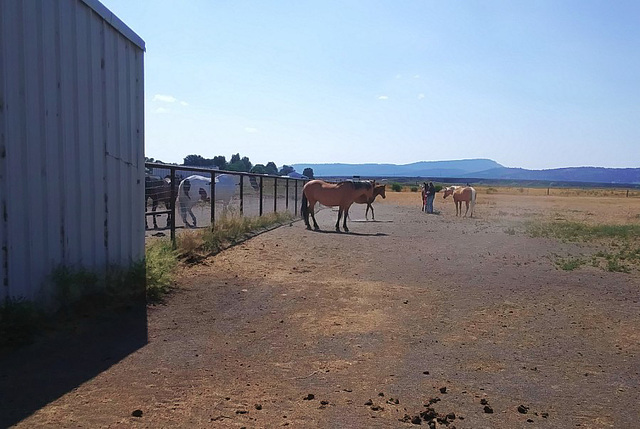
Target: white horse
x,y
197,188
462,194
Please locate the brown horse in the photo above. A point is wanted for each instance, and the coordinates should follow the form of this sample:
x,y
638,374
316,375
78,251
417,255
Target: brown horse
x,y
159,190
462,194
341,194
377,190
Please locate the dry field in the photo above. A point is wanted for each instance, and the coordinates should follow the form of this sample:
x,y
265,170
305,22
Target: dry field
x,y
414,318
592,206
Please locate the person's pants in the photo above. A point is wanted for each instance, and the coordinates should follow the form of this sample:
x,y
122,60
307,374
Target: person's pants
x,y
430,199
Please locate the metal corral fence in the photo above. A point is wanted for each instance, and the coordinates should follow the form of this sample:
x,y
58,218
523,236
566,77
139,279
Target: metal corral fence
x,y
252,195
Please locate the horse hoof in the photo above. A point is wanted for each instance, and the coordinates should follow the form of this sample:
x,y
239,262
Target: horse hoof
x,y
309,227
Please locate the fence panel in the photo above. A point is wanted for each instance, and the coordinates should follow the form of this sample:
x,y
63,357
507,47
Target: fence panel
x,y
229,193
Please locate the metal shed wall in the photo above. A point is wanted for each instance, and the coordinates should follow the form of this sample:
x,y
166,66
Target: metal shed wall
x,y
71,142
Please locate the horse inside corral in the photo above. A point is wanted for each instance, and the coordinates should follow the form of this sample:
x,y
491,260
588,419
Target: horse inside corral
x,y
159,190
461,194
198,188
341,195
377,190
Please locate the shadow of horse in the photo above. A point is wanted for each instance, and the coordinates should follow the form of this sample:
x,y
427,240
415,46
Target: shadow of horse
x,y
360,234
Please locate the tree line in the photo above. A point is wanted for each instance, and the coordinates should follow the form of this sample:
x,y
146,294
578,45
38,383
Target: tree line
x,y
237,163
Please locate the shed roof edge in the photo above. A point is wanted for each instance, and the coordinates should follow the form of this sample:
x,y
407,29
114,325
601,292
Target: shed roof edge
x,y
115,22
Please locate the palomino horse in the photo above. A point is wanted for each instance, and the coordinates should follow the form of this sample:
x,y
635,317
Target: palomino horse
x,y
341,194
377,190
197,188
159,190
462,194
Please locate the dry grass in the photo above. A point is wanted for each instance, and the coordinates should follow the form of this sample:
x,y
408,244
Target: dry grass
x,y
605,218
591,206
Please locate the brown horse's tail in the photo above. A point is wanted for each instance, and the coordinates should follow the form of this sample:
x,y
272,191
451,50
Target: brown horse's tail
x,y
304,209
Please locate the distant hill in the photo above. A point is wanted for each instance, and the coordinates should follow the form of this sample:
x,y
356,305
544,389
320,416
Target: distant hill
x,y
476,169
417,169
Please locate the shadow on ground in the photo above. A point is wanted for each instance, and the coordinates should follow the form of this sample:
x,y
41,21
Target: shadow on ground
x,y
35,375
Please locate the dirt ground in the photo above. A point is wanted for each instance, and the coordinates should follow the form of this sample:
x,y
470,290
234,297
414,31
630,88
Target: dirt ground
x,y
370,329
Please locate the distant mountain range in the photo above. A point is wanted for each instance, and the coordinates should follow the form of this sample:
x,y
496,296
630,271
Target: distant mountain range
x,y
476,169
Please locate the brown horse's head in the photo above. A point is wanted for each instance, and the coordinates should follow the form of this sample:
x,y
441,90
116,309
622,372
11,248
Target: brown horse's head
x,y
448,191
379,190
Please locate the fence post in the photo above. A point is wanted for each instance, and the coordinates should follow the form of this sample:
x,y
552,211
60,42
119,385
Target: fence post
x,y
213,199
241,194
261,194
295,209
172,203
286,194
275,194
627,193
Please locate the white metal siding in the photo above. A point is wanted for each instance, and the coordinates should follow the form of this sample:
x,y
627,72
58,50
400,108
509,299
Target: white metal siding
x,y
71,141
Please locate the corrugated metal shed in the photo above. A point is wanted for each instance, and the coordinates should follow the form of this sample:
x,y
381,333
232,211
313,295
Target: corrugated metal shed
x,y
71,142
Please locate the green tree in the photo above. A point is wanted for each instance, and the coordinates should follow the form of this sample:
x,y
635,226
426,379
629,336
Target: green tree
x,y
308,172
247,163
259,169
271,168
196,161
235,158
286,169
220,162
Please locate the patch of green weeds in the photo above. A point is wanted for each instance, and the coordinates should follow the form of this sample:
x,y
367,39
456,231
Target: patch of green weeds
x,y
160,263
510,231
576,231
569,264
619,252
20,322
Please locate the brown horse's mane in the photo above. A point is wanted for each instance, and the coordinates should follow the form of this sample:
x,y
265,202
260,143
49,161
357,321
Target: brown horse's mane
x,y
357,184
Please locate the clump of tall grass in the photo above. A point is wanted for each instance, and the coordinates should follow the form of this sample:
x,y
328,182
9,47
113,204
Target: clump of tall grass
x,y
161,262
195,245
233,228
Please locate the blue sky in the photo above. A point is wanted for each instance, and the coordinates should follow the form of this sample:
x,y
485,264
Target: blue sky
x,y
532,84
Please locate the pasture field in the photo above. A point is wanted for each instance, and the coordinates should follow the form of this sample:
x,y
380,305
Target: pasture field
x,y
512,319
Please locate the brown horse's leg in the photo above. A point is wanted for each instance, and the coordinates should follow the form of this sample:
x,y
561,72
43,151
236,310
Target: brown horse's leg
x,y
312,212
467,211
346,215
338,221
304,209
153,209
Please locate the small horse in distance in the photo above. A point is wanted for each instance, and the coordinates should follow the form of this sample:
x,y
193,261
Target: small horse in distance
x,y
159,190
377,190
461,194
196,188
342,195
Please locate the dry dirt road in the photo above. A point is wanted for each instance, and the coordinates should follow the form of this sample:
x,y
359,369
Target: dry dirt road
x,y
304,329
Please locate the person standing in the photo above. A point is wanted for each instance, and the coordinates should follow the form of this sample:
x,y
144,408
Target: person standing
x,y
431,194
423,195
